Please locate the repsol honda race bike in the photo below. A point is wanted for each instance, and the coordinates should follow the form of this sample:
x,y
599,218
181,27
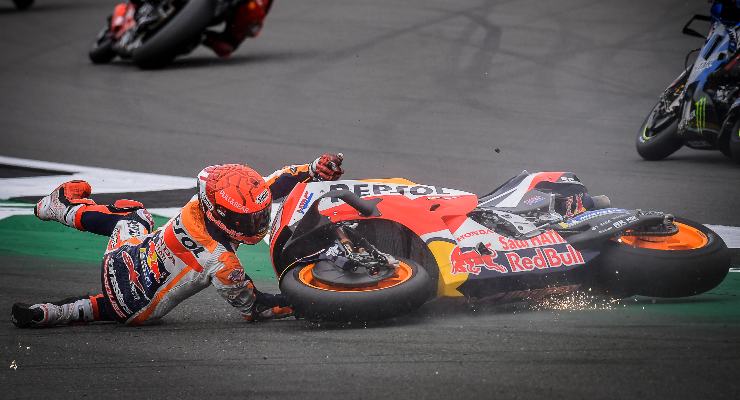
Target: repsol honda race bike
x,y
377,248
701,108
153,33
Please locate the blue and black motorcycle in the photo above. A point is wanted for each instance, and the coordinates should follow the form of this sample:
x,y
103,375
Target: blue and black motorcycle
x,y
701,108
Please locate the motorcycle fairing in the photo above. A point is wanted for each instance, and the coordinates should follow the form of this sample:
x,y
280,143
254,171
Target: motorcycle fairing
x,y
518,190
701,123
464,249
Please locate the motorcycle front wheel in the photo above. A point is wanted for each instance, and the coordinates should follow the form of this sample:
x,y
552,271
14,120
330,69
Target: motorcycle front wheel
x,y
657,141
102,51
406,290
693,260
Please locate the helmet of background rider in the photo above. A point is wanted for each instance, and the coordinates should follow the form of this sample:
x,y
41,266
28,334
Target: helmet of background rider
x,y
236,199
726,11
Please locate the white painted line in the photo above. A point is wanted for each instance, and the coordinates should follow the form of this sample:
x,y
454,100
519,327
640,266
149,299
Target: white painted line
x,y
730,234
103,180
168,212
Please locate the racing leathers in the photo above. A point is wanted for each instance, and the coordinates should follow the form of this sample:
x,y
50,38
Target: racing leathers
x,y
243,21
147,272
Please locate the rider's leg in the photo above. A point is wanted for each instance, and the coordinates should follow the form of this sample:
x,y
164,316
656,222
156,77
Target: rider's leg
x,y
69,204
245,21
62,312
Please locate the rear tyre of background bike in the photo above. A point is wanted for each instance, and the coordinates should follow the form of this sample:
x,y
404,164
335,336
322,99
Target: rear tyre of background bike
x,y
636,269
102,49
22,4
734,141
657,145
183,29
322,302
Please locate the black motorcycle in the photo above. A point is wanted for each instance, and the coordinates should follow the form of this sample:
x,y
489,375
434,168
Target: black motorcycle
x,y
153,33
701,108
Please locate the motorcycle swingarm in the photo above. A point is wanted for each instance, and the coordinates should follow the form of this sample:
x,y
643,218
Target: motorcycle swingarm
x,y
608,226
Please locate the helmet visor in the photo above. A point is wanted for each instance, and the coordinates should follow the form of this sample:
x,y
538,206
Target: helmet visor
x,y
245,226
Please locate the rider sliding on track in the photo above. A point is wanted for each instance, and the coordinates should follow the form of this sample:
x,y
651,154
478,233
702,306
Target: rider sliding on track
x,y
147,272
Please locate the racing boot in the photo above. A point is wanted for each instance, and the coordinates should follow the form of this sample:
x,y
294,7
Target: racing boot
x,y
63,312
62,203
219,43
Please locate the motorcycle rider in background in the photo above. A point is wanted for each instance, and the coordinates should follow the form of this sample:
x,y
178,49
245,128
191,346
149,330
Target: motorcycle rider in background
x,y
147,272
726,11
245,20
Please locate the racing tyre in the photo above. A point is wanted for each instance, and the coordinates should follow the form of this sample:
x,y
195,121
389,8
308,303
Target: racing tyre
x,y
406,290
734,142
179,33
658,140
692,261
23,4
102,50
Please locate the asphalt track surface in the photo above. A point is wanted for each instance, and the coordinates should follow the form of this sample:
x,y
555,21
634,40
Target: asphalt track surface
x,y
458,93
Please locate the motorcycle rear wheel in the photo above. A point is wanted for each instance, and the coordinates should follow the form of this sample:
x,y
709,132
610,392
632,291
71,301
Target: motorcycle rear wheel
x,y
688,263
734,142
405,291
179,33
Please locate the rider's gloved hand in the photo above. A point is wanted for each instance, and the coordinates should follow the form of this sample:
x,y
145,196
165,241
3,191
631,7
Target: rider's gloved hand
x,y
328,167
269,306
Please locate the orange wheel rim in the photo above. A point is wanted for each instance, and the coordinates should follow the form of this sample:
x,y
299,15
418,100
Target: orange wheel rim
x,y
403,273
687,238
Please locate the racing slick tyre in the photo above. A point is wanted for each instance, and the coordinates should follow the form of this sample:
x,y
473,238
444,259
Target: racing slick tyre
x,y
406,290
23,4
180,32
658,142
102,49
692,261
734,142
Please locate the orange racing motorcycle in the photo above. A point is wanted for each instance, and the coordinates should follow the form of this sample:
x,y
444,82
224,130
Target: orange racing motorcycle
x,y
377,248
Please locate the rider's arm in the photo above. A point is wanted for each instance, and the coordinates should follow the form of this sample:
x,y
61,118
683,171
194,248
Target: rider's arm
x,y
233,284
326,167
282,181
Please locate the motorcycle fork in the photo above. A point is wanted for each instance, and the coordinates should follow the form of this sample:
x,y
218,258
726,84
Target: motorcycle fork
x,y
361,250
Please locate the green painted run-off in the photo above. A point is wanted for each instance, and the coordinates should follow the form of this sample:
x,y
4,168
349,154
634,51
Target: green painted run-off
x,y
27,235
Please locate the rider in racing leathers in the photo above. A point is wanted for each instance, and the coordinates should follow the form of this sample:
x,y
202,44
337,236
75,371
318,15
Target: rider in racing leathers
x,y
244,21
147,272
727,11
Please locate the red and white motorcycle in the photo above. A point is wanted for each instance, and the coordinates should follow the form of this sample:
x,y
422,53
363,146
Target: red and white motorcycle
x,y
376,248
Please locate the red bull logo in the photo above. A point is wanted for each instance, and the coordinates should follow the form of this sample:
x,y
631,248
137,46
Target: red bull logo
x,y
544,258
153,262
471,262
